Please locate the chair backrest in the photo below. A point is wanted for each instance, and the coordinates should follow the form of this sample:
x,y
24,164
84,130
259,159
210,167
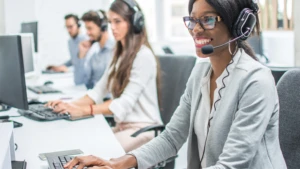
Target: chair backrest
x,y
175,71
277,72
289,117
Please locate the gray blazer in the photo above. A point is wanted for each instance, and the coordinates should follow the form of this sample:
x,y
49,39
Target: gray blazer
x,y
243,133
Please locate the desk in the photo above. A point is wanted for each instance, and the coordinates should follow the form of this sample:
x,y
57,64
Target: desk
x,y
63,82
93,136
7,153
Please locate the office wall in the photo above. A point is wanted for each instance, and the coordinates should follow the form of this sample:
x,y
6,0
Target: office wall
x,y
2,28
50,14
297,32
53,35
16,12
279,47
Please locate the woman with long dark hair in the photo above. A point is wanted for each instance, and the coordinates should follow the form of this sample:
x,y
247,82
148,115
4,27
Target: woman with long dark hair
x,y
132,77
230,108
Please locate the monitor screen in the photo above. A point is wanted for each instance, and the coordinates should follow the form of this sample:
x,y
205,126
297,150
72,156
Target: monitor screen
x,y
31,27
27,50
12,79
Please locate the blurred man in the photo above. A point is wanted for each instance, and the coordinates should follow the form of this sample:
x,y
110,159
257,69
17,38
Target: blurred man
x,y
100,53
73,27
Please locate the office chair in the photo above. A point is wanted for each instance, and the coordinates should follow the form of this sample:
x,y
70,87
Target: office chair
x,y
277,72
289,117
175,73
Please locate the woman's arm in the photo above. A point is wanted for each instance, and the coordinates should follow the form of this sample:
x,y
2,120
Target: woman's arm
x,y
102,108
84,101
160,148
82,106
143,70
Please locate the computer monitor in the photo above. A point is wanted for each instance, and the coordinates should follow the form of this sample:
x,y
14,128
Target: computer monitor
x,y
28,54
12,80
31,27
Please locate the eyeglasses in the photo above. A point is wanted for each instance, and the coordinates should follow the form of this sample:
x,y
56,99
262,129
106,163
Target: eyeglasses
x,y
206,22
69,26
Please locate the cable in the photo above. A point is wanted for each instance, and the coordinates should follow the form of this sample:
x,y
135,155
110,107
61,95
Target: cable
x,y
220,97
224,86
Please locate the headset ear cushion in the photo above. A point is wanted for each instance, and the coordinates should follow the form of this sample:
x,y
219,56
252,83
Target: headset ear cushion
x,y
104,25
236,27
138,22
245,20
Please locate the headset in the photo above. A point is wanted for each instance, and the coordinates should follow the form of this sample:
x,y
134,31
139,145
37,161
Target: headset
x,y
246,21
102,20
242,28
77,21
137,20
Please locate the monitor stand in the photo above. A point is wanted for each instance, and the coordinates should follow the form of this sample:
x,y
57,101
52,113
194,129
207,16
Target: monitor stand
x,y
4,107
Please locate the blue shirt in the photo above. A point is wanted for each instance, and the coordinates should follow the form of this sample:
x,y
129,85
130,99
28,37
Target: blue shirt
x,y
75,61
97,62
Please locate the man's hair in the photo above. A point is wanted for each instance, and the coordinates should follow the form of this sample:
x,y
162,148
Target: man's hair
x,y
72,16
93,16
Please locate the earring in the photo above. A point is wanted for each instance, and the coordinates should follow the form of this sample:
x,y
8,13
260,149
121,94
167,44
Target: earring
x,y
229,48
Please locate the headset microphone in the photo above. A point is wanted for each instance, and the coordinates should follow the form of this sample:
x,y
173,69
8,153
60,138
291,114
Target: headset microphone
x,y
208,49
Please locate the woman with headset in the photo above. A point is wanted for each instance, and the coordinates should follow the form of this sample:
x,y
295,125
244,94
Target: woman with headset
x,y
229,110
132,78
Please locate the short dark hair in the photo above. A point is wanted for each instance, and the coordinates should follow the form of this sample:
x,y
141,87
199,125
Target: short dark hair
x,y
72,16
229,11
94,17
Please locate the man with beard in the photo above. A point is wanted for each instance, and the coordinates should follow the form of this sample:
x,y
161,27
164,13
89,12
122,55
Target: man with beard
x,y
73,28
98,54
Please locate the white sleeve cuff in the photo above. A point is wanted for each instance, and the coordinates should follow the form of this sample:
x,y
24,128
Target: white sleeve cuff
x,y
117,110
95,96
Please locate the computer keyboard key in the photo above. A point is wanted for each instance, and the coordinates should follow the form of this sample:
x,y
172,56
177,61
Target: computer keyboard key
x,y
43,89
41,113
68,158
62,159
57,166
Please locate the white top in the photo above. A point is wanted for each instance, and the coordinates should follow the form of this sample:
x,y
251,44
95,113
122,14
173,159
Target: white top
x,y
138,102
205,112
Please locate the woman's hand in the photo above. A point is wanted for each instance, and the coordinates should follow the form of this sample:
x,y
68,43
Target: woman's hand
x,y
52,104
89,161
126,161
74,110
84,47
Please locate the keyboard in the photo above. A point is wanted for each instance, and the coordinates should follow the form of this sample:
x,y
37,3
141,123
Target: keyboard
x,y
43,89
57,162
41,113
51,72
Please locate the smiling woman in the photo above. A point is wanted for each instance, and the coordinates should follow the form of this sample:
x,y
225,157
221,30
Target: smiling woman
x,y
229,124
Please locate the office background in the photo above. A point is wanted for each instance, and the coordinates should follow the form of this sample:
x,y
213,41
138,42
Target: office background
x,y
164,23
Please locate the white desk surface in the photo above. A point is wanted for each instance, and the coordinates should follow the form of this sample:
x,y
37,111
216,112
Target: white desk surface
x,y
93,136
63,82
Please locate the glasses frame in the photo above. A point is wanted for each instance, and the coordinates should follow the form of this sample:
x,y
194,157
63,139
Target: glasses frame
x,y
198,20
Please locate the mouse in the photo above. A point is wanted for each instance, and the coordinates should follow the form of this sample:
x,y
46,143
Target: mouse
x,y
48,83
